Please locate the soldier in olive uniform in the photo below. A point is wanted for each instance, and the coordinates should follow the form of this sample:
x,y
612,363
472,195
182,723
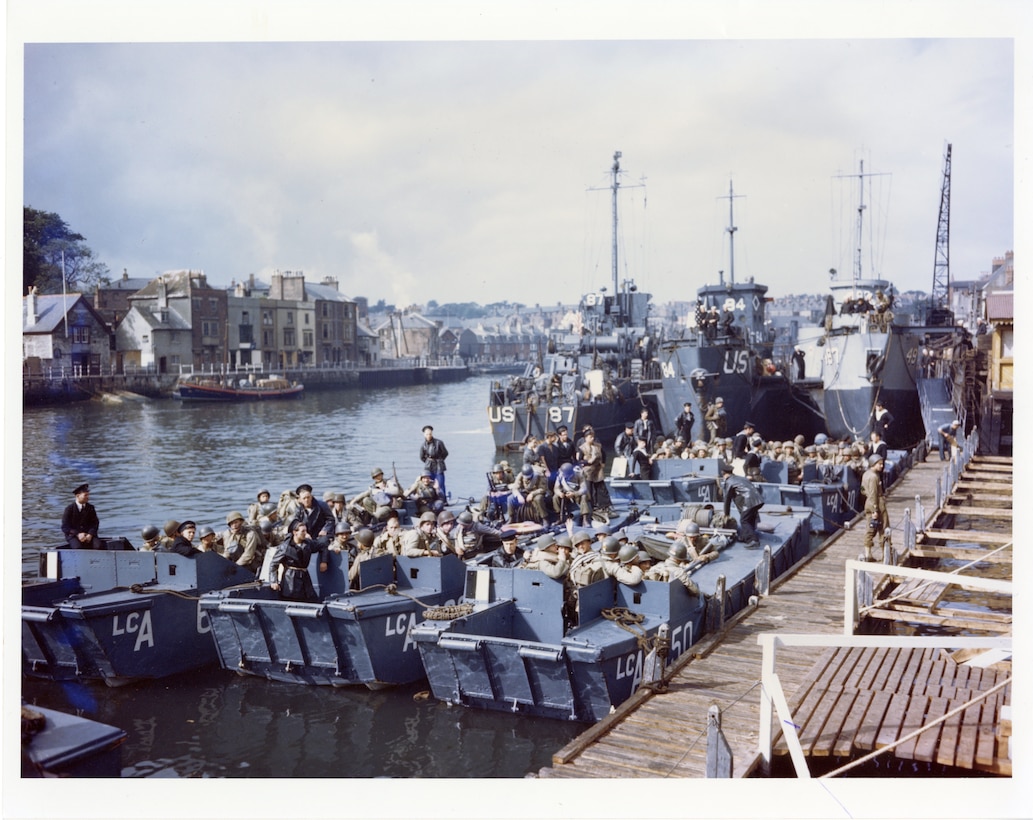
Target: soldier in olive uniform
x,y
878,519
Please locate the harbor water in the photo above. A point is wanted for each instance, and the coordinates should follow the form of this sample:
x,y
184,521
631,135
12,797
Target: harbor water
x,y
152,460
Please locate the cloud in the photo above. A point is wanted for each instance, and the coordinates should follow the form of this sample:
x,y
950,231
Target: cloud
x,y
463,168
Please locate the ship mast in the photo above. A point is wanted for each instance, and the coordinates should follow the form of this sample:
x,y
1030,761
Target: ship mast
x,y
614,186
858,262
731,232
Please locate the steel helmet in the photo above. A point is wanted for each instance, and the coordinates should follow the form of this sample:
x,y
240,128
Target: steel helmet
x,y
428,517
465,517
692,528
149,532
611,546
268,507
628,554
679,552
445,516
580,536
234,516
545,541
205,532
564,540
342,528
265,525
364,537
528,471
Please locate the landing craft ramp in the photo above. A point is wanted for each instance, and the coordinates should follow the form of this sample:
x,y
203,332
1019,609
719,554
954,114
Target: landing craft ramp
x,y
936,406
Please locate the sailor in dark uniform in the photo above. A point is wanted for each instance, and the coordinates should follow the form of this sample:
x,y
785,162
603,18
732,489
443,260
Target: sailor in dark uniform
x,y
184,541
319,521
748,500
80,523
433,454
294,555
508,556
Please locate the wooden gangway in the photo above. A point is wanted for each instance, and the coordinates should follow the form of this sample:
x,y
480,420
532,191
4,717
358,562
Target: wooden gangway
x,y
664,734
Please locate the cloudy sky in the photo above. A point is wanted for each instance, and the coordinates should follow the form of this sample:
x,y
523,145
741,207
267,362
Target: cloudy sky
x,y
470,170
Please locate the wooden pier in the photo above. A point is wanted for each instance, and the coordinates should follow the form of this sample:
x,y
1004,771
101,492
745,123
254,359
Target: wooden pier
x,y
664,733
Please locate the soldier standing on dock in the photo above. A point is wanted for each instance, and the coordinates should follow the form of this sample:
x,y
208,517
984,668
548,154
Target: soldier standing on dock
x,y
878,518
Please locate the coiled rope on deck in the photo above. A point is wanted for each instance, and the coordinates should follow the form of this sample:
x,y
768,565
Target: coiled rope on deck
x,y
629,621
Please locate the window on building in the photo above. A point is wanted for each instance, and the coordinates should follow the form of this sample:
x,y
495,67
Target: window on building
x,y
308,318
267,317
81,335
196,304
307,338
245,317
326,331
213,306
267,338
175,358
288,337
290,317
325,311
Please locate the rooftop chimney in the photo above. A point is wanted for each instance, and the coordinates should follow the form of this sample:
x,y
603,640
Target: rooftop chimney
x,y
30,307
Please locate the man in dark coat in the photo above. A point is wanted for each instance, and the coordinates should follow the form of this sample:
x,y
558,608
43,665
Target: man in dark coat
x,y
684,422
509,555
433,454
184,541
294,555
80,523
748,500
319,520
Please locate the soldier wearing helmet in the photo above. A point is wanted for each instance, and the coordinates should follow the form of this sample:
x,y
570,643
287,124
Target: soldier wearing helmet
x,y
586,566
470,536
527,496
674,568
618,562
419,541
878,517
254,510
550,556
426,492
151,538
495,504
343,541
571,495
363,552
207,539
240,543
376,502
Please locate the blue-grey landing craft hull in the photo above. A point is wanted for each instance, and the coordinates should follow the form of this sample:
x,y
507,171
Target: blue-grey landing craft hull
x,y
347,638
510,652
152,629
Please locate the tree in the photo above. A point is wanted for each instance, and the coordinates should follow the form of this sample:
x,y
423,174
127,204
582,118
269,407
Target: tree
x,y
45,238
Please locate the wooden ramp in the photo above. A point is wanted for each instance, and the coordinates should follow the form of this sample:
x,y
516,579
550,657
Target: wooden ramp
x,y
664,734
860,699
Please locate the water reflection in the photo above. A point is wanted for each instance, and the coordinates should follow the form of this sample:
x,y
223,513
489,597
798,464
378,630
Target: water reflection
x,y
153,460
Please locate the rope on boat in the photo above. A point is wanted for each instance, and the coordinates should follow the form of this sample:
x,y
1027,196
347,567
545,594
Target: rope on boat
x,y
447,613
629,621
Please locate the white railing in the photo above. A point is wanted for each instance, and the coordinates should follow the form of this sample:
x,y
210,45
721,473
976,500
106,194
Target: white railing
x,y
773,700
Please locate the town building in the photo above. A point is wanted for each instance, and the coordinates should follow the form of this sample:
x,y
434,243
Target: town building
x,y
63,332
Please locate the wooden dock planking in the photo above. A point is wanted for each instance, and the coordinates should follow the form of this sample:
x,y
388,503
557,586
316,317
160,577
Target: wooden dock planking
x,y
665,734
892,723
978,512
972,536
869,731
845,741
927,742
913,719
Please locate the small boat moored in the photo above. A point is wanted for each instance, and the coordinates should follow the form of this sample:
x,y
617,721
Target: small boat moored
x,y
212,388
